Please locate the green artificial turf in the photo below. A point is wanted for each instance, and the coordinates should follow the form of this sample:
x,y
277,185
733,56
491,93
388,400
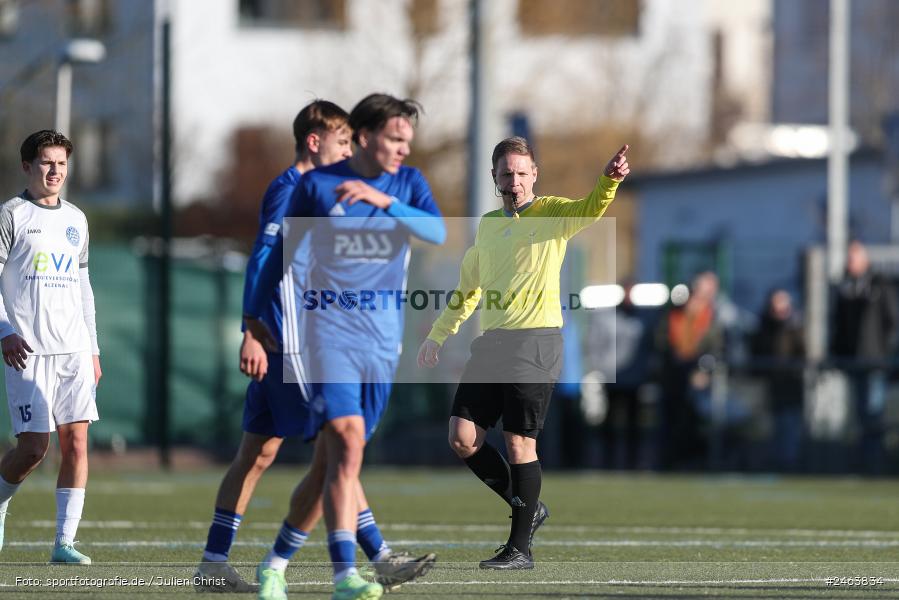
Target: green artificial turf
x,y
609,536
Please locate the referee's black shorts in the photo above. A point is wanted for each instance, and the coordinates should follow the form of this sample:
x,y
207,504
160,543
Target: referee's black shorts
x,y
511,374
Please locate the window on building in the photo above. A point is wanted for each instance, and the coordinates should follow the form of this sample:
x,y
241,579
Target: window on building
x,y
91,18
330,14
424,16
613,18
9,18
90,160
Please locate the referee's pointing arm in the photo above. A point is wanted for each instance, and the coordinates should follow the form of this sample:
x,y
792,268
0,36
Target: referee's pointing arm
x,y
618,168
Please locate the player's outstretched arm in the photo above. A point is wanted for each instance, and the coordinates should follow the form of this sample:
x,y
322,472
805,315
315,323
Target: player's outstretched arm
x,y
423,224
576,215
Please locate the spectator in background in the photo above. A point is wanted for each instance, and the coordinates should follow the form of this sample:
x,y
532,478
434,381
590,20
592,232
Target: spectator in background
x,y
688,339
619,345
778,348
863,333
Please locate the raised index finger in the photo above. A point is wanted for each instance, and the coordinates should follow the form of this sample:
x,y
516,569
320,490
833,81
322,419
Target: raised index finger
x,y
622,151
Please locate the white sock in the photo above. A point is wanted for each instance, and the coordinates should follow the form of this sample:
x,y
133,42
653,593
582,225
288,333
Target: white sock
x,y
214,557
69,504
382,555
273,561
341,575
278,563
7,490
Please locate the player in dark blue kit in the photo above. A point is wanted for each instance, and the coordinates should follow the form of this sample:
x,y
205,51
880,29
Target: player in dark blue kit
x,y
273,409
359,215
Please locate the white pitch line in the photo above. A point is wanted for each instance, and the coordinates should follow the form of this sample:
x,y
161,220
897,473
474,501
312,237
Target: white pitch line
x,y
599,582
630,582
652,530
272,526
542,543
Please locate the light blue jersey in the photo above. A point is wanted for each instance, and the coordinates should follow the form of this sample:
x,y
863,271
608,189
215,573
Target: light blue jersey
x,y
359,256
353,303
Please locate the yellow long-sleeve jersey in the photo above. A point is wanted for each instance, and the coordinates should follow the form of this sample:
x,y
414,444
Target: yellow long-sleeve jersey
x,y
515,263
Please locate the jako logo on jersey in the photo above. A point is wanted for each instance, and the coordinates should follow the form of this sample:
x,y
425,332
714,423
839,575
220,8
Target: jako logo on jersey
x,y
61,262
362,245
73,236
30,231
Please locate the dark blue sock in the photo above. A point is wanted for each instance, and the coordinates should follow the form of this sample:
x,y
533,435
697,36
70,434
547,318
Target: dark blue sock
x,y
342,548
221,534
369,536
289,540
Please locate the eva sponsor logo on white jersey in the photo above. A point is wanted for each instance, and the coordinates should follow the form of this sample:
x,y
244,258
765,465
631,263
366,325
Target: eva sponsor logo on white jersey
x,y
52,266
54,269
53,262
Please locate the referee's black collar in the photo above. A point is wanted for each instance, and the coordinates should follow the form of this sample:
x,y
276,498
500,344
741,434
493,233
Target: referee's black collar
x,y
522,209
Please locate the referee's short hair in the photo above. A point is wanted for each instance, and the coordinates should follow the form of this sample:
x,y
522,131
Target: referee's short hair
x,y
513,145
319,115
45,138
375,110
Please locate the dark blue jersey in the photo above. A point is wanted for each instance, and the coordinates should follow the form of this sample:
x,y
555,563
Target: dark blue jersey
x,y
275,204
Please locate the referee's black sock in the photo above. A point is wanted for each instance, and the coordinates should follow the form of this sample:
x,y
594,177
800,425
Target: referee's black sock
x,y
526,480
491,468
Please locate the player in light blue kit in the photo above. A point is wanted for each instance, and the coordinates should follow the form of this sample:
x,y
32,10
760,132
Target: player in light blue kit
x,y
273,409
364,211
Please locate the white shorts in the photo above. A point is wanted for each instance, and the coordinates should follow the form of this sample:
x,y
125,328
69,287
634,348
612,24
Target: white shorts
x,y
54,389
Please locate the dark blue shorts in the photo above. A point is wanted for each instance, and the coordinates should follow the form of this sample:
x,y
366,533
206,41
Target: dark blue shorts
x,y
349,383
275,408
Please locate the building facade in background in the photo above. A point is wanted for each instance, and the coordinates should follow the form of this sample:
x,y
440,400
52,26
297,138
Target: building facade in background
x,y
113,102
652,71
800,71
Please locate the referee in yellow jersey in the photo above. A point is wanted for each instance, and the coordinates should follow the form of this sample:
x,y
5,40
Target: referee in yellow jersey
x,y
514,268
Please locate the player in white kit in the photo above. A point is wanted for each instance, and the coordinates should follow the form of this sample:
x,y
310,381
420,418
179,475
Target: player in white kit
x,y
48,335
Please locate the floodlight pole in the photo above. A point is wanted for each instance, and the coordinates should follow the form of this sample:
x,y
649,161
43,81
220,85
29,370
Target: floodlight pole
x,y
482,122
63,97
837,163
163,363
78,50
81,50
